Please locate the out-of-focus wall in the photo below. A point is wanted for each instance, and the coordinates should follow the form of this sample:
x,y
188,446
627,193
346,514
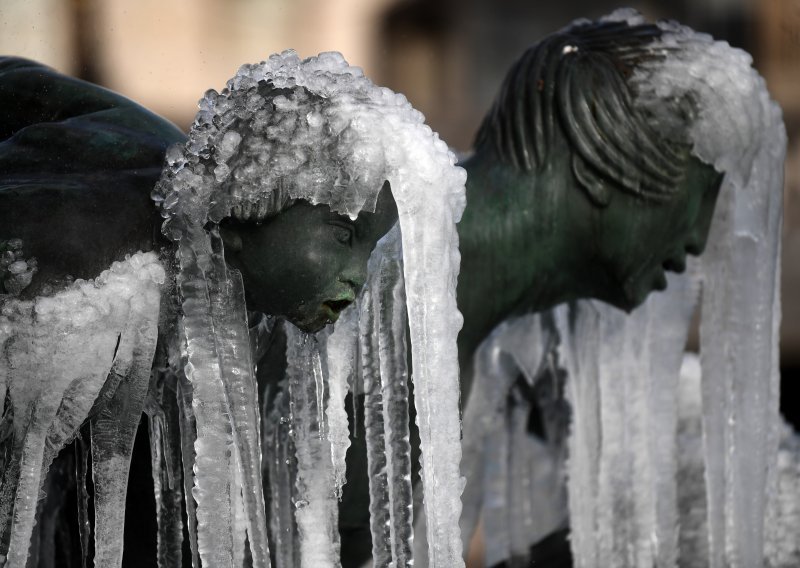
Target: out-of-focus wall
x,y
38,29
166,54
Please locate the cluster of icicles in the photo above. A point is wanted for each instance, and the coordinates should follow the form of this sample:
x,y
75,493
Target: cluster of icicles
x,y
205,430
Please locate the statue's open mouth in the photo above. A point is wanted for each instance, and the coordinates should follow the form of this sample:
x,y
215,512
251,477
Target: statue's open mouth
x,y
333,308
675,265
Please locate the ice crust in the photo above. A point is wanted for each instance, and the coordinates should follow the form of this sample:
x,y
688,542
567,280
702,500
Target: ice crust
x,y
385,375
739,130
57,353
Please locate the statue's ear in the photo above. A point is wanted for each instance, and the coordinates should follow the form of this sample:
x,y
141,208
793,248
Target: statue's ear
x,y
596,188
230,238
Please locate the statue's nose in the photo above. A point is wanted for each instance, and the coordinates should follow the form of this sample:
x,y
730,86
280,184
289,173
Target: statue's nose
x,y
355,278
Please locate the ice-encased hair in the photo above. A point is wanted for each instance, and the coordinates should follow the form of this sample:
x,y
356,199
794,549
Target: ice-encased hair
x,y
576,82
282,130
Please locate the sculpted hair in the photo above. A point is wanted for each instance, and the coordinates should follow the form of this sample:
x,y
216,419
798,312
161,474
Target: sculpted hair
x,y
575,83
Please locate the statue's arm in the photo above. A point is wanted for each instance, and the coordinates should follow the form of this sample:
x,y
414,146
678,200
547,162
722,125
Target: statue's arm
x,y
77,164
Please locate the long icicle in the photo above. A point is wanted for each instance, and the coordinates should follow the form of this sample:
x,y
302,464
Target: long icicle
x,y
340,349
212,451
34,414
430,264
280,467
392,320
241,395
188,433
379,506
113,435
316,507
162,410
81,471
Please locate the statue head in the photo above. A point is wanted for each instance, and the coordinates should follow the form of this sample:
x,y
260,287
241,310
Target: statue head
x,y
612,165
286,164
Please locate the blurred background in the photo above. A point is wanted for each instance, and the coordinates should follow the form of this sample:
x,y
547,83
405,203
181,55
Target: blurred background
x,y
447,56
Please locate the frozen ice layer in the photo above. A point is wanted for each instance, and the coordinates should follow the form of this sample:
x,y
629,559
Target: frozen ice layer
x,y
57,353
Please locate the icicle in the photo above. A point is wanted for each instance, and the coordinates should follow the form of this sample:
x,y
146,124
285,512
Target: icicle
x,y
32,455
430,263
212,447
241,395
495,499
164,449
239,514
341,349
623,461
316,506
520,492
580,359
391,325
60,349
188,433
740,382
280,465
379,506
81,471
113,434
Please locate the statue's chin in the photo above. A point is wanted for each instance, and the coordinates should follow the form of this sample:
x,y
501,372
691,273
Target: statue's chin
x,y
309,323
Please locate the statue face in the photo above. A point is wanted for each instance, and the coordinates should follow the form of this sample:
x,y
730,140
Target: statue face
x,y
636,240
307,263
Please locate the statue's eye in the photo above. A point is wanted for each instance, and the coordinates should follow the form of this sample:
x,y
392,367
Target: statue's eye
x,y
342,233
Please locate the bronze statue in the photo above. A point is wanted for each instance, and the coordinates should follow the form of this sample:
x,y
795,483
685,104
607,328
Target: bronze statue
x,y
600,165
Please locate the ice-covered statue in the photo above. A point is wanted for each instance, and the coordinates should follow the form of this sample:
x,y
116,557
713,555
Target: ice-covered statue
x,y
271,209
599,167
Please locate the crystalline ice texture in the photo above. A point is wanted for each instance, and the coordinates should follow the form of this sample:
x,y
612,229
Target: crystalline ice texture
x,y
385,374
391,315
62,349
316,505
430,252
340,350
379,506
738,130
281,470
224,404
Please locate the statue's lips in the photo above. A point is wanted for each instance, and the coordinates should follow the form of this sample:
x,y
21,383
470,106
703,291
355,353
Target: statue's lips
x,y
332,308
677,264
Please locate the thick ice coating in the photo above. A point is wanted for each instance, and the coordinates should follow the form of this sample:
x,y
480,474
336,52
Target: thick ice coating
x,y
314,129
60,354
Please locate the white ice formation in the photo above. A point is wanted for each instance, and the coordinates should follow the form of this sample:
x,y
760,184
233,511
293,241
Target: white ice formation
x,y
93,341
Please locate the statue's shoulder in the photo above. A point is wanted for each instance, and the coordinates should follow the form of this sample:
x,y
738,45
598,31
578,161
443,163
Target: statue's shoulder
x,y
77,165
